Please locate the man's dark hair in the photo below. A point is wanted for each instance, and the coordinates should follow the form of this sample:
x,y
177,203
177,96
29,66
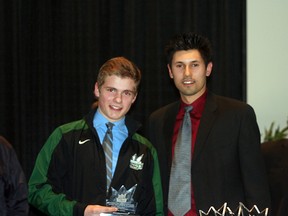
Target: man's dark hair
x,y
187,41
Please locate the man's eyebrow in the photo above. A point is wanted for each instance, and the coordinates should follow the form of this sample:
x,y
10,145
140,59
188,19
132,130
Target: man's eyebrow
x,y
193,61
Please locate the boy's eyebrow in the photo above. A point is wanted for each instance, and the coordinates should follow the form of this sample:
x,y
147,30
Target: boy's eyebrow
x,y
110,87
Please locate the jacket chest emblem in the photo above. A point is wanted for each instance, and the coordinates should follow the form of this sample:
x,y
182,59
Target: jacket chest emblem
x,y
135,162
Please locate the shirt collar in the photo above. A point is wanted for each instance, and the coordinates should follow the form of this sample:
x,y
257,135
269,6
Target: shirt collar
x,y
99,120
198,106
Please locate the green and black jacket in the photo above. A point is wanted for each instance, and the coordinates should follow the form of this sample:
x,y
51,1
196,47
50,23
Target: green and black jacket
x,y
70,174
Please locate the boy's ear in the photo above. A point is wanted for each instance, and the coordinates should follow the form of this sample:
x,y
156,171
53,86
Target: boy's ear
x,y
96,90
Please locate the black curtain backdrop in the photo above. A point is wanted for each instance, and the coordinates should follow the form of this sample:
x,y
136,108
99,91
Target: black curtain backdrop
x,y
51,51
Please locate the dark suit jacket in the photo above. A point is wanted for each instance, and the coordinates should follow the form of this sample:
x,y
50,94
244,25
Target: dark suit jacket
x,y
276,160
227,164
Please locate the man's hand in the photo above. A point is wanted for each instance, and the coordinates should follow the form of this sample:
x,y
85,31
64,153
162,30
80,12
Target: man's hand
x,y
95,210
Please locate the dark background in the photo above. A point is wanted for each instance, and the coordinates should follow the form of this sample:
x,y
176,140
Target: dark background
x,y
51,50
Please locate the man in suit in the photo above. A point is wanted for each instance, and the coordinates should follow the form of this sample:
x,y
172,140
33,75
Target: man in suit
x,y
226,162
275,155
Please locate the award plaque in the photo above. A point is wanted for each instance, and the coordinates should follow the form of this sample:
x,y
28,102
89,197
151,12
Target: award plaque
x,y
123,200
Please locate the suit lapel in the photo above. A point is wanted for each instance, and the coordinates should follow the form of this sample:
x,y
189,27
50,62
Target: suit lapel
x,y
169,122
206,123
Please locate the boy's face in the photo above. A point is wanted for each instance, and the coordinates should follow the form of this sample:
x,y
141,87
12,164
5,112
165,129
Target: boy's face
x,y
115,97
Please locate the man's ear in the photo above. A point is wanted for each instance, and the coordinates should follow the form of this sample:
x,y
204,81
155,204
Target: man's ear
x,y
170,71
209,69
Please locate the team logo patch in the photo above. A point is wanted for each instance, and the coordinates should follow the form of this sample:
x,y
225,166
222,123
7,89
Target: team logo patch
x,y
135,162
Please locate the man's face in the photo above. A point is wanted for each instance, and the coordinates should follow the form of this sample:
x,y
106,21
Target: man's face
x,y
189,73
115,97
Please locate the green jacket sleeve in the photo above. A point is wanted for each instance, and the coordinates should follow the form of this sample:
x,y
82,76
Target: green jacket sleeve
x,y
41,194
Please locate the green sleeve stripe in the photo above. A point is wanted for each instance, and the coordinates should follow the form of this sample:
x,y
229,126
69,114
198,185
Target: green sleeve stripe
x,y
40,193
156,174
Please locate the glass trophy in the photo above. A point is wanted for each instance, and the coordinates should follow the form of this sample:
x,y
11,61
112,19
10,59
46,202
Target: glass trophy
x,y
242,210
123,200
222,211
